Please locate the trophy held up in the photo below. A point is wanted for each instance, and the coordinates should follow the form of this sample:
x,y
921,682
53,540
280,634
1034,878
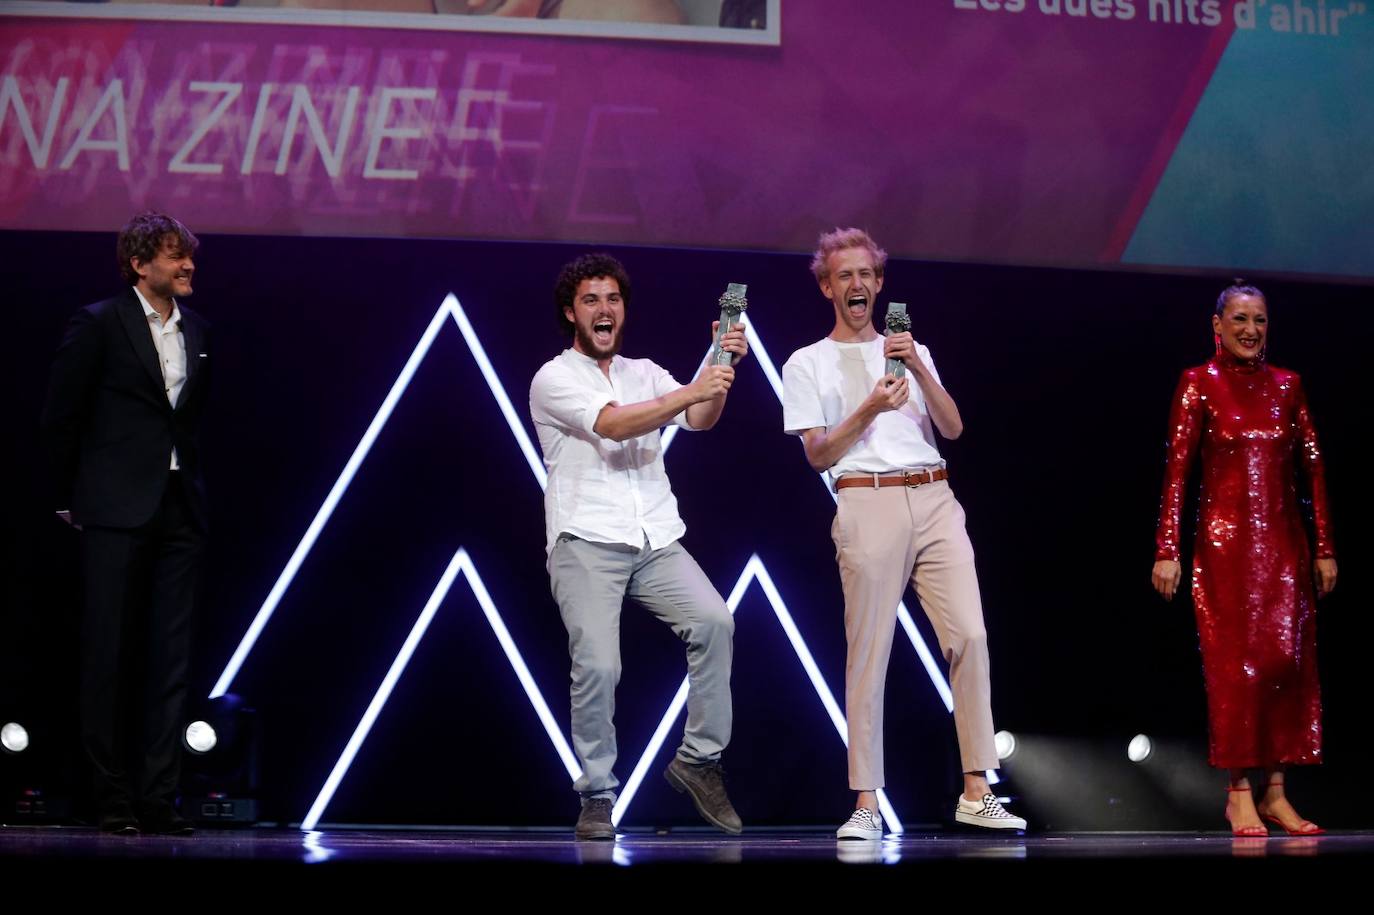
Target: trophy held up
x,y
732,305
897,321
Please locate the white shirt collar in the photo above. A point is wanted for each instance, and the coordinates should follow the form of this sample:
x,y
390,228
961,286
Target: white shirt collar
x,y
150,312
578,356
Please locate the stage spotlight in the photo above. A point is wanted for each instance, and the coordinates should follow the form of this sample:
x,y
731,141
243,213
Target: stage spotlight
x,y
219,778
1005,744
34,775
200,737
14,737
1177,771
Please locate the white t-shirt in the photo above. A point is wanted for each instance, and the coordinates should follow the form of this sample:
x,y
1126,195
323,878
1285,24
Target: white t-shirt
x,y
824,383
600,489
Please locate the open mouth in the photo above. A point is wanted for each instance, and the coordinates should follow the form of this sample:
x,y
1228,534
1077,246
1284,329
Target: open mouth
x,y
858,305
603,331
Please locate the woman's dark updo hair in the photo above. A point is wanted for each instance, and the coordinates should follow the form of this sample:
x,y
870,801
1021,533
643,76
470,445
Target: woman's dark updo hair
x,y
1238,287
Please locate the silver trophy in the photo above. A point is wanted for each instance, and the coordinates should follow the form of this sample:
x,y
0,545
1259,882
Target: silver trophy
x,y
897,322
732,305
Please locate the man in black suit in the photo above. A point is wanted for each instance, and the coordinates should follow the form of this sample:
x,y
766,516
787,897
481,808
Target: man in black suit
x,y
120,425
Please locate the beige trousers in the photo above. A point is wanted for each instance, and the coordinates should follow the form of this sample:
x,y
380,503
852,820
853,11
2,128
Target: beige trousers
x,y
883,538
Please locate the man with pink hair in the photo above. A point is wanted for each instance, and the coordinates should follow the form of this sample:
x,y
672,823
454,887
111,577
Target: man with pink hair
x,y
896,521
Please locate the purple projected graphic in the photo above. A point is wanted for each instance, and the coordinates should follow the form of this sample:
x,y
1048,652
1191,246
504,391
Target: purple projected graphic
x,y
733,22
1027,131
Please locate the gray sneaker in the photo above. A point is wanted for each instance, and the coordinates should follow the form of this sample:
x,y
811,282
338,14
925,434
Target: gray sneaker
x,y
594,822
705,782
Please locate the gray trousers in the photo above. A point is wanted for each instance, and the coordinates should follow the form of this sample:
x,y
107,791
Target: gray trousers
x,y
590,581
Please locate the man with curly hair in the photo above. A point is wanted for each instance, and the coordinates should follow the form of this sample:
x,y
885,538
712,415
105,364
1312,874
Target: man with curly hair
x,y
613,530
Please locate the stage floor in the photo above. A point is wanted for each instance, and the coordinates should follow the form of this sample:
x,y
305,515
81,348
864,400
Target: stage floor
x,y
684,870
549,849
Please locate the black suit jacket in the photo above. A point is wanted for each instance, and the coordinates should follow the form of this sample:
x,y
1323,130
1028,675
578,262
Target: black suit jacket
x,y
107,426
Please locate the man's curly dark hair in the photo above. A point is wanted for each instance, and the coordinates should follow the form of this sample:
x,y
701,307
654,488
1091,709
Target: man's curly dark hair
x,y
142,238
586,267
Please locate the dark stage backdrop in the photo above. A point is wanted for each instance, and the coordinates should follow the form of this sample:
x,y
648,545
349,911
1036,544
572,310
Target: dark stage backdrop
x,y
1063,378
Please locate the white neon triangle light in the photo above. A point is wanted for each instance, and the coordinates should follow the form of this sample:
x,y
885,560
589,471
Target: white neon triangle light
x,y
461,564
449,308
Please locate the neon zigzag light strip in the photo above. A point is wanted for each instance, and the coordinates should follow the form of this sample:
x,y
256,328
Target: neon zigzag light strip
x,y
450,306
754,570
460,564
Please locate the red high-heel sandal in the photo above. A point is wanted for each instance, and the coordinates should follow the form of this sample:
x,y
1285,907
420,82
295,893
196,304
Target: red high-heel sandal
x,y
1245,832
1305,827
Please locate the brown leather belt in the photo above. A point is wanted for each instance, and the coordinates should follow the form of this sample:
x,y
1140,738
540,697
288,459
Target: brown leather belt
x,y
905,478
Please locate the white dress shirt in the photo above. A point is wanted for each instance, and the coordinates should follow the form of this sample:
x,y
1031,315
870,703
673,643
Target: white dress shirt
x,y
600,489
171,352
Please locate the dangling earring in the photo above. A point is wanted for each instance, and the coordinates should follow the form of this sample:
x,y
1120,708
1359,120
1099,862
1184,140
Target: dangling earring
x,y
1216,341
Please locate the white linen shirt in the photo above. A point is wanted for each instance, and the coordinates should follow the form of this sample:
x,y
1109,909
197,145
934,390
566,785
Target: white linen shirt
x,y
600,489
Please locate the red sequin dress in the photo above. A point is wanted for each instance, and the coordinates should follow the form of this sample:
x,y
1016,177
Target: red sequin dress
x,y
1252,567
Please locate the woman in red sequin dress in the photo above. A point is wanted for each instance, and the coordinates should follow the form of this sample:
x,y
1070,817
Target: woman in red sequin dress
x,y
1255,581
